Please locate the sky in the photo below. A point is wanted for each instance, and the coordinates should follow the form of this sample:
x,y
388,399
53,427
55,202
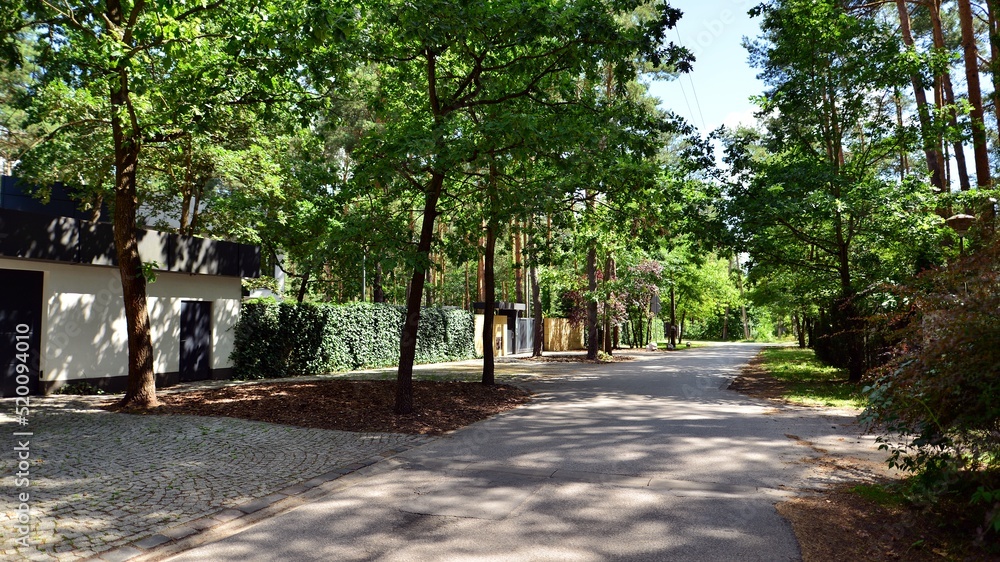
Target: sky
x,y
716,92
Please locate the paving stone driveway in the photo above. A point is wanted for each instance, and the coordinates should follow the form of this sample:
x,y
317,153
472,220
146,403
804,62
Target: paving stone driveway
x,y
105,483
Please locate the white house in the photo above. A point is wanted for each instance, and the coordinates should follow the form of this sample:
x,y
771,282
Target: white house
x,y
62,318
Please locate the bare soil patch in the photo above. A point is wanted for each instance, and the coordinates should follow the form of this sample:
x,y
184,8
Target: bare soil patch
x,y
754,380
364,406
841,524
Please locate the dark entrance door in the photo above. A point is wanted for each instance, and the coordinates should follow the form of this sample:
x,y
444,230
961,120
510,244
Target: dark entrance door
x,y
20,331
196,340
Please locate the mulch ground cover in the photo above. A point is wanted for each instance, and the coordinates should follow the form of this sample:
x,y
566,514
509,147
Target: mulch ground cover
x,y
364,406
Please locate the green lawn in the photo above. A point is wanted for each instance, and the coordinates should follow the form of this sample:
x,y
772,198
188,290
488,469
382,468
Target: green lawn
x,y
809,381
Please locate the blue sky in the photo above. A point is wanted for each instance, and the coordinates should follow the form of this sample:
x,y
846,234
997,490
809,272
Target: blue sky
x,y
716,92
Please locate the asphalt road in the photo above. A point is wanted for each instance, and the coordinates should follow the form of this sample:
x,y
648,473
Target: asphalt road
x,y
649,459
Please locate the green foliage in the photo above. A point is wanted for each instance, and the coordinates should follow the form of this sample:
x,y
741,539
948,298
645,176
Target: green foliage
x,y
639,334
989,498
810,381
149,270
286,339
881,494
80,389
938,397
262,282
818,198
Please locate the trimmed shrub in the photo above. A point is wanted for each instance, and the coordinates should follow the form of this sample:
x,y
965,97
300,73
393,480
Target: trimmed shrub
x,y
288,339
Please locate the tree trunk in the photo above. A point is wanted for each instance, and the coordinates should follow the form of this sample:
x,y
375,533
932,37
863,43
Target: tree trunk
x,y
518,272
609,274
949,98
673,318
182,227
746,325
193,226
725,325
851,329
411,324
932,152
467,297
429,283
378,293
743,306
800,329
592,320
95,211
536,307
979,149
489,282
904,166
140,389
480,273
303,287
994,33
680,329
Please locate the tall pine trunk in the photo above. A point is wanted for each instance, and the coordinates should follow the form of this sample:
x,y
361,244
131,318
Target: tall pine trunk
x,y
518,266
930,144
994,33
949,98
672,333
592,321
536,295
971,51
378,293
609,274
536,313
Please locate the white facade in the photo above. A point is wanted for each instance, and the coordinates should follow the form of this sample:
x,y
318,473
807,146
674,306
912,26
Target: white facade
x,y
83,335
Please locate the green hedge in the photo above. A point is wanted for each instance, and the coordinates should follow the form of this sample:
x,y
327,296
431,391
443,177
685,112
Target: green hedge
x,y
288,339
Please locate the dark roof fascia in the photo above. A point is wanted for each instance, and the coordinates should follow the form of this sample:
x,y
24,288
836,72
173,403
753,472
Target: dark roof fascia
x,y
43,237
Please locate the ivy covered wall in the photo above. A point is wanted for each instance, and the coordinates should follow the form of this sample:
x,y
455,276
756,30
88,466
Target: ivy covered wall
x,y
289,339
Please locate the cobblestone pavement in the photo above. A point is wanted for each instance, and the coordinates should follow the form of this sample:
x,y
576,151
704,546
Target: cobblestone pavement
x,y
114,487
108,483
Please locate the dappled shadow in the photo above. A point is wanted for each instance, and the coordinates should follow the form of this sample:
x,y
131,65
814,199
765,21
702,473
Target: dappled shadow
x,y
649,460
100,480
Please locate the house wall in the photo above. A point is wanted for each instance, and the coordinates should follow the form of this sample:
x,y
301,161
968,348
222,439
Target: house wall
x,y
499,333
83,325
560,335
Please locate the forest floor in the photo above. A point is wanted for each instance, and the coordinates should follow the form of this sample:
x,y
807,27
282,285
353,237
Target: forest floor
x,y
869,519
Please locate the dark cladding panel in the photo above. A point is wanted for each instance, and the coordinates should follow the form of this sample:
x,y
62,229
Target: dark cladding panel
x,y
227,258
154,246
33,236
97,244
42,237
20,331
249,260
206,257
15,196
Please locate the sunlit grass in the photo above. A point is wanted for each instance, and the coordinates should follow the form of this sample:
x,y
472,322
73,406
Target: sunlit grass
x,y
809,381
882,494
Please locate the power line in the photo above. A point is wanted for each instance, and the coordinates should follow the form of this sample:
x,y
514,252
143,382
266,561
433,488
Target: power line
x,y
694,92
